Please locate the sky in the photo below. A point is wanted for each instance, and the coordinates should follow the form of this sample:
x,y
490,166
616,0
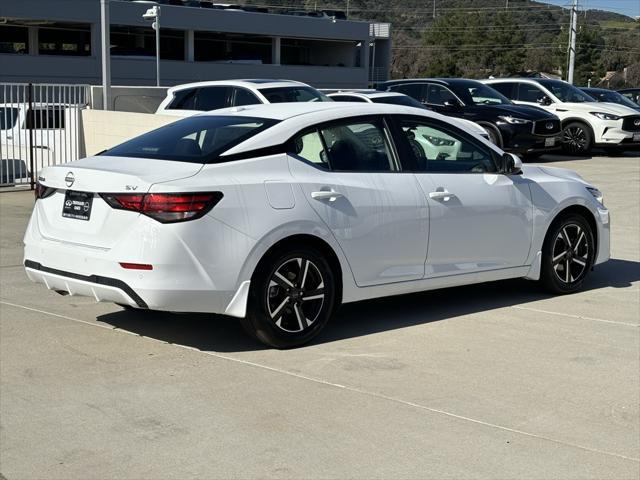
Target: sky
x,y
626,7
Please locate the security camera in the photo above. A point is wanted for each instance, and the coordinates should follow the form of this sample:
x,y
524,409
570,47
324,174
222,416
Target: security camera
x,y
152,13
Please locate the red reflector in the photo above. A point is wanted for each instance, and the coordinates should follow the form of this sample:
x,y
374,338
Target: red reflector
x,y
136,266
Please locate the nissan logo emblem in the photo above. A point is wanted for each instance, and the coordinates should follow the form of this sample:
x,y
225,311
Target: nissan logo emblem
x,y
636,122
69,179
549,126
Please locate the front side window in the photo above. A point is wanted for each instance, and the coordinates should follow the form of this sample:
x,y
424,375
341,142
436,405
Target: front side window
x,y
199,139
293,94
358,147
212,98
439,95
8,117
440,149
565,91
529,93
505,88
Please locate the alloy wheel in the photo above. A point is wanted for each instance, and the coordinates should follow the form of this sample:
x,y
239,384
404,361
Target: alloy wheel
x,y
295,295
571,251
575,138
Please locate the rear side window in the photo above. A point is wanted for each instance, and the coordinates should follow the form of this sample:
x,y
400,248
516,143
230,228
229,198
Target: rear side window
x,y
507,89
244,97
358,147
8,117
199,139
309,146
212,98
45,118
293,94
184,100
414,90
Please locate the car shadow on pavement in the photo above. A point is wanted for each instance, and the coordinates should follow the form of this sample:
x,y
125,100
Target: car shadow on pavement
x,y
224,334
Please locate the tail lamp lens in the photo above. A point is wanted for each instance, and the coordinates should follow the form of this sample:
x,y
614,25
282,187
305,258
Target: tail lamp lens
x,y
165,207
42,191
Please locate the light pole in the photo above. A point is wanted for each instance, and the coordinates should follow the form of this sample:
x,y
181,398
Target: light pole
x,y
105,43
572,41
153,14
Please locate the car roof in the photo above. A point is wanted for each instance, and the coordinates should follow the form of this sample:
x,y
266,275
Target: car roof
x,y
442,81
367,94
294,117
247,83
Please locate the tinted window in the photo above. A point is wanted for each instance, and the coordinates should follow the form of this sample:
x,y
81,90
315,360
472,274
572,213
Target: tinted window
x,y
441,149
506,89
398,100
244,97
529,93
211,98
611,97
565,91
417,91
293,94
358,147
45,118
309,146
199,139
8,117
184,100
347,98
438,95
14,39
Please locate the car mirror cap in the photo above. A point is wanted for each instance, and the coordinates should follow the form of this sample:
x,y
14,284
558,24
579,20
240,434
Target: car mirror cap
x,y
512,164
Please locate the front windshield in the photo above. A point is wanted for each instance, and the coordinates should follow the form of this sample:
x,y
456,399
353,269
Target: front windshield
x,y
613,97
293,94
398,100
476,93
8,117
199,139
565,91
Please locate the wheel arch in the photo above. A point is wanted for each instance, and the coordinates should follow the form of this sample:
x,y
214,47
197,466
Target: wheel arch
x,y
308,240
584,122
488,125
584,212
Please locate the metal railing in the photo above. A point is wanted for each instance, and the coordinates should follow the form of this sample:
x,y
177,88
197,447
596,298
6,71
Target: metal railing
x,y
40,125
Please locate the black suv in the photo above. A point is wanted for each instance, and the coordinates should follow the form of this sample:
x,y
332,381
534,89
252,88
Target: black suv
x,y
529,131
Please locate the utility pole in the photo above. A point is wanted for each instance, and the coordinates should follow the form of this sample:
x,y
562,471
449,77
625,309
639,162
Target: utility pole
x,y
507,5
347,15
572,40
434,8
106,53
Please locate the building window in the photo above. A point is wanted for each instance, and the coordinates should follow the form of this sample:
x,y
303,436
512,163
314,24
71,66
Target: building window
x,y
232,48
14,39
323,53
65,39
141,42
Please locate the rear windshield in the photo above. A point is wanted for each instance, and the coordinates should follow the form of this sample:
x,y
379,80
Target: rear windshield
x,y
199,139
399,100
293,94
8,117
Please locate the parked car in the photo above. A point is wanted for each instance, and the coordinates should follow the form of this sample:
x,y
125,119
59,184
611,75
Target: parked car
x,y
214,95
51,128
632,94
395,98
585,122
609,96
528,131
277,214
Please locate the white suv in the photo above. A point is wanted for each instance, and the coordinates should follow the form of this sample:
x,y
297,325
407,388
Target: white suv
x,y
214,95
586,123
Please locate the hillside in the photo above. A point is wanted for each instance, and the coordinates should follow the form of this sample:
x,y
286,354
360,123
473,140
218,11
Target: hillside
x,y
476,38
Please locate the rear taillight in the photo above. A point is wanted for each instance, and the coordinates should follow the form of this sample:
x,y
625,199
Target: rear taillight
x,y
42,191
165,207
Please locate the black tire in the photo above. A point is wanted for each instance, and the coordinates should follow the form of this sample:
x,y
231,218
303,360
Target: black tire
x,y
494,134
577,138
279,315
567,254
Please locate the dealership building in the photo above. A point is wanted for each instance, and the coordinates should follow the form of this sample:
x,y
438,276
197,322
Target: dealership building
x,y
59,41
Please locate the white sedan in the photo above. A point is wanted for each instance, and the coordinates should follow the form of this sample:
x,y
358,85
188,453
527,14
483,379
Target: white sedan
x,y
277,214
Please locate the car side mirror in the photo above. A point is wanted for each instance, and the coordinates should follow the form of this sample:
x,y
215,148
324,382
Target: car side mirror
x,y
511,164
544,101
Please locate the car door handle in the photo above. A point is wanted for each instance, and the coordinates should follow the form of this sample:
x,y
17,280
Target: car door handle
x,y
441,195
330,195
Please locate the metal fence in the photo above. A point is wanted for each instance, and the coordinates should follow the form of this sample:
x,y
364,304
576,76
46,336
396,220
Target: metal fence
x,y
40,125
